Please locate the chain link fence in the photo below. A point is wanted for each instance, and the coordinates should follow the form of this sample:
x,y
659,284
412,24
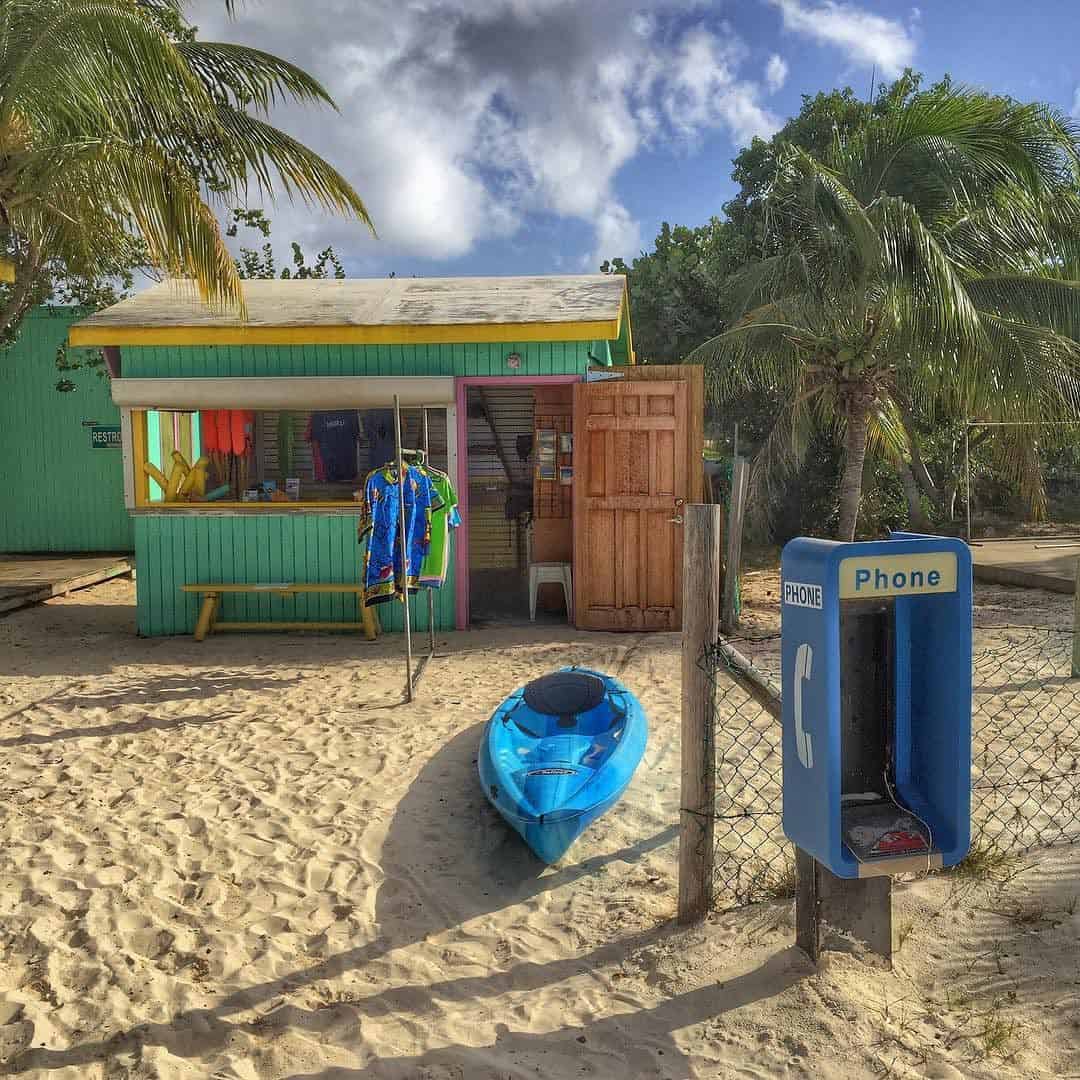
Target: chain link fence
x,y
1025,756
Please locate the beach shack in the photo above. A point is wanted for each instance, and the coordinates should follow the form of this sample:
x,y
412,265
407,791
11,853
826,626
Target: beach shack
x,y
566,456
60,447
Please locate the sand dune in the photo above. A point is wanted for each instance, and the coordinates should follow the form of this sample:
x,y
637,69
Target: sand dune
x,y
246,860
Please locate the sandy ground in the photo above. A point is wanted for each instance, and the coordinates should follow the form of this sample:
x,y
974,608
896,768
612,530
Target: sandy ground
x,y
245,860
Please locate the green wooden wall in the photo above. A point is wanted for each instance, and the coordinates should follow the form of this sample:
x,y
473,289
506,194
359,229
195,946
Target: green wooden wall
x,y
220,361
57,494
174,549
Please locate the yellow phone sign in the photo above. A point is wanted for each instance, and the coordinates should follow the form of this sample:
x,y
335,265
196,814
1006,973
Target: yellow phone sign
x,y
870,576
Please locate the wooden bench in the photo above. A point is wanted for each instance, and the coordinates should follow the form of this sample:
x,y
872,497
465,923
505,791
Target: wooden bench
x,y
207,622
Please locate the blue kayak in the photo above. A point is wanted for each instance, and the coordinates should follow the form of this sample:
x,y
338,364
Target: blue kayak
x,y
558,753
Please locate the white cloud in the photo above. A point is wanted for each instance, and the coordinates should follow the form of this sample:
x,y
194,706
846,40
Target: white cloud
x,y
776,72
702,91
461,118
866,38
617,233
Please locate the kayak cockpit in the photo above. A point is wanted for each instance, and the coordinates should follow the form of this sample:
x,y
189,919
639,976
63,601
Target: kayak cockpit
x,y
568,703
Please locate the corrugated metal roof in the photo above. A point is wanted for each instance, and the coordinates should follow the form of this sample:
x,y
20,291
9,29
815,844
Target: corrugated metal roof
x,y
384,310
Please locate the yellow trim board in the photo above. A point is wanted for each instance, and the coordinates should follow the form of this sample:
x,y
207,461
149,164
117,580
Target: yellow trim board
x,y
140,453
7,271
451,333
631,357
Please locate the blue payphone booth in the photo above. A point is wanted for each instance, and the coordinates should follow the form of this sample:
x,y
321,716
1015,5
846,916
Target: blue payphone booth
x,y
877,702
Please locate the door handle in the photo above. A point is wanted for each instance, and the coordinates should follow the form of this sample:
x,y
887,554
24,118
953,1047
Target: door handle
x,y
676,520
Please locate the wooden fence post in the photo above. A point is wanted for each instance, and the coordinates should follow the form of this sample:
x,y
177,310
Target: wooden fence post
x,y
1076,621
701,574
740,476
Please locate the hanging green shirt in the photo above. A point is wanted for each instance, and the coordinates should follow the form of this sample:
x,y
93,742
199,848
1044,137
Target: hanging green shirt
x,y
437,560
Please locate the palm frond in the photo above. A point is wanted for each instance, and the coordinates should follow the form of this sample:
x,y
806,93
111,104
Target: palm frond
x,y
162,200
1031,298
264,152
110,129
955,140
250,76
779,457
757,352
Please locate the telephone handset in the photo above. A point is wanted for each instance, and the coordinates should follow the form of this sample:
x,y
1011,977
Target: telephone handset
x,y
804,659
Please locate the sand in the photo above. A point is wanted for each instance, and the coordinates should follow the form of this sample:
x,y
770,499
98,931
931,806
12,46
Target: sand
x,y
244,859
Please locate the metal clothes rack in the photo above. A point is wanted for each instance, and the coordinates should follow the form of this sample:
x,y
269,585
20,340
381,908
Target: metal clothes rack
x,y
412,678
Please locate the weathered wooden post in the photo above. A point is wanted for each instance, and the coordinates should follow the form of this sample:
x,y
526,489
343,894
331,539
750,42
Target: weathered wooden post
x,y
740,476
1076,621
701,574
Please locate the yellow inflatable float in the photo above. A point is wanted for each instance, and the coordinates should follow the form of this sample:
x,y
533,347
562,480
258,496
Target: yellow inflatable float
x,y
184,482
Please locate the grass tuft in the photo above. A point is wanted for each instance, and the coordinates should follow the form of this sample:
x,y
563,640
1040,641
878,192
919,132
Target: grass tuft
x,y
999,1036
986,862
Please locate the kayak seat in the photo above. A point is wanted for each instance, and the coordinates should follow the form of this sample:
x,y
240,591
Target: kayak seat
x,y
564,694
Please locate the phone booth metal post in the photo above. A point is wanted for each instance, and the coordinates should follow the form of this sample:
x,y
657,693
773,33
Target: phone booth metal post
x,y
877,703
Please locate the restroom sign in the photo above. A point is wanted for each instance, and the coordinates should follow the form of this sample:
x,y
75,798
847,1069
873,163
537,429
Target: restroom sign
x,y
870,576
105,438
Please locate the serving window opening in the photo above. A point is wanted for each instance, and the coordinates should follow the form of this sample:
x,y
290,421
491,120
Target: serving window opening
x,y
221,458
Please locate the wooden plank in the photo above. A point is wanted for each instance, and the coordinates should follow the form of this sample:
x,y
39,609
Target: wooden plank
x,y
698,792
14,596
500,450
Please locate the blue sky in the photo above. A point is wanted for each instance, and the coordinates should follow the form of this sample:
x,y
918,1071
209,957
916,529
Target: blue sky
x,y
538,136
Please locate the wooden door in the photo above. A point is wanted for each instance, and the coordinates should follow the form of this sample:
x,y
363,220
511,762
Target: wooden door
x,y
631,448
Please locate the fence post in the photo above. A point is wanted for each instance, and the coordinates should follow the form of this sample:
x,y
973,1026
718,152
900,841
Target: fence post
x,y
701,573
740,475
1076,621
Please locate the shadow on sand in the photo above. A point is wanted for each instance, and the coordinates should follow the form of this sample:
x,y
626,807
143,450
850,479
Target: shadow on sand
x,y
448,859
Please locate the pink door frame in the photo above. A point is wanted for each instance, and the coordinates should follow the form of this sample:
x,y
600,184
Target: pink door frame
x,y
461,541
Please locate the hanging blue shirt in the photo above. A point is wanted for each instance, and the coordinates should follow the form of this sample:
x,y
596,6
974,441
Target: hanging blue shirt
x,y
384,577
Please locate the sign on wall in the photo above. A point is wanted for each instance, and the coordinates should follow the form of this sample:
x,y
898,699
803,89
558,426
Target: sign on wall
x,y
105,438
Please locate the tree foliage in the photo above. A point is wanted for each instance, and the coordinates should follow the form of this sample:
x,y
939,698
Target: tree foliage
x,y
886,270
122,136
261,262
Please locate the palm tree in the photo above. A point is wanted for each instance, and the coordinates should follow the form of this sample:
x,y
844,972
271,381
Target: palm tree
x,y
118,136
928,263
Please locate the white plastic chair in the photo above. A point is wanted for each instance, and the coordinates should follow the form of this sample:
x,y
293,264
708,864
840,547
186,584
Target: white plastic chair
x,y
548,573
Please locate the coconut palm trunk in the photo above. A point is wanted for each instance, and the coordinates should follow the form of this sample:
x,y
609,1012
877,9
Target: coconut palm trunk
x,y
851,481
